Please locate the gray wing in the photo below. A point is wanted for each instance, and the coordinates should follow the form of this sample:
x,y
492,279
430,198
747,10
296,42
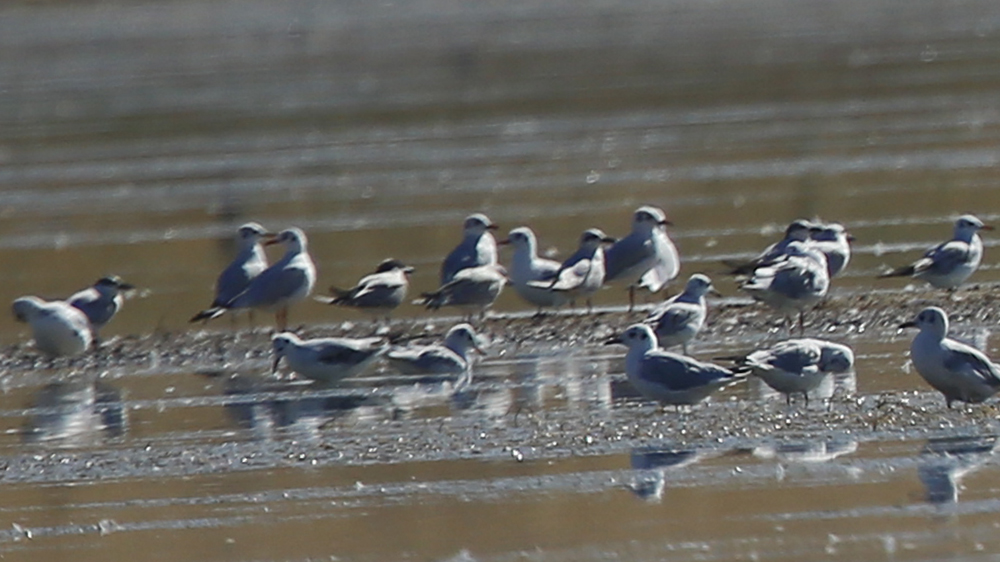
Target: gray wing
x,y
791,356
98,309
798,278
433,359
464,256
378,290
626,254
675,317
231,282
945,257
572,277
680,373
547,269
964,358
272,286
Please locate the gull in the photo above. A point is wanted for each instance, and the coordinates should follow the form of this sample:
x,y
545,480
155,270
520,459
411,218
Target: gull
x,y
583,273
646,256
101,301
835,242
798,231
325,360
447,358
57,327
956,370
473,289
794,283
666,377
383,290
797,365
949,264
250,261
526,267
288,281
477,248
678,320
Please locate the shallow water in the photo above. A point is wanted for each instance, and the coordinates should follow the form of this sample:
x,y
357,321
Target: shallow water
x,y
135,136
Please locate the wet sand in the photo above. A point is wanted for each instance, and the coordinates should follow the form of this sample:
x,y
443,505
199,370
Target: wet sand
x,y
238,363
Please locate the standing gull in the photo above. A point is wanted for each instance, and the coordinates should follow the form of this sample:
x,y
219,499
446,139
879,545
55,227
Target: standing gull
x,y
797,231
381,291
794,283
477,248
949,264
667,377
526,267
447,358
325,360
646,256
101,301
956,370
583,273
288,281
678,320
472,289
249,262
57,328
798,365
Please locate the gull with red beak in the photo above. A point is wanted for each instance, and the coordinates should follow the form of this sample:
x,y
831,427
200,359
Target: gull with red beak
x,y
646,257
288,281
949,264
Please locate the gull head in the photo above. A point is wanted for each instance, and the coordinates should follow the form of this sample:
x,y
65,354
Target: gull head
x,y
594,237
831,231
799,229
637,337
280,344
393,264
932,320
293,239
699,285
477,224
251,233
836,358
647,218
111,285
967,225
521,238
462,337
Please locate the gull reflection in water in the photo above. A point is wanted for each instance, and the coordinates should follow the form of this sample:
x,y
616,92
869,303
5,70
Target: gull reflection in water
x,y
807,450
266,406
75,412
943,463
651,463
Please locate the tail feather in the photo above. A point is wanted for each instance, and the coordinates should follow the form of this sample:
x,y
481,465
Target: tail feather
x,y
432,301
905,271
340,297
208,314
339,293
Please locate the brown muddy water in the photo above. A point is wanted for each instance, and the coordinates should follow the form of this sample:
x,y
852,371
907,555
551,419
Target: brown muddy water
x,y
135,136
